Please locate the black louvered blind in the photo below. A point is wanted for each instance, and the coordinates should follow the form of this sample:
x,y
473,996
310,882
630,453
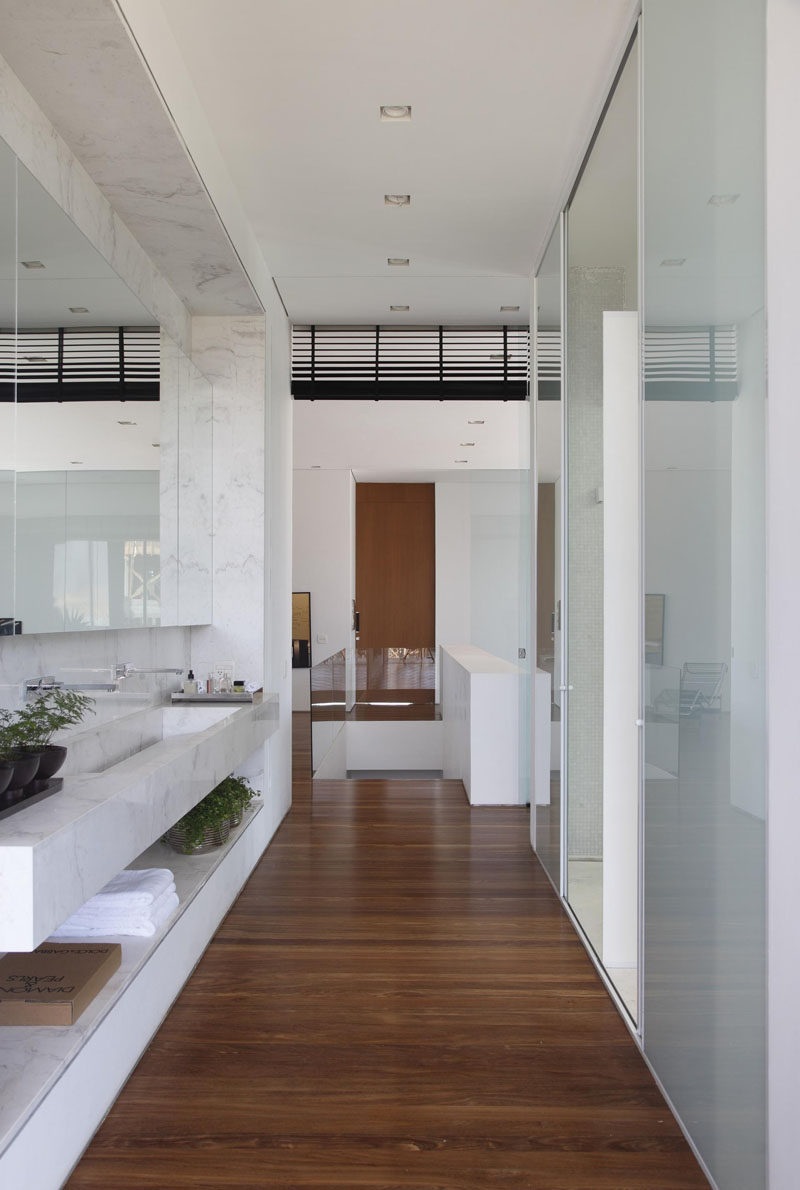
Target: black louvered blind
x,y
697,363
428,362
80,364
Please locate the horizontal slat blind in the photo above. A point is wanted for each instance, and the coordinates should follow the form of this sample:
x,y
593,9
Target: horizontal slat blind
x,y
691,355
41,362
691,363
411,356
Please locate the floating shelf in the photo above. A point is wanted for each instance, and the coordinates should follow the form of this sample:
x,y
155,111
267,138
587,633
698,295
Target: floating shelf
x,y
34,1058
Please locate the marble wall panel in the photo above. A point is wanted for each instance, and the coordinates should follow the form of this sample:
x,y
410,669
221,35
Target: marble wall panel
x,y
231,352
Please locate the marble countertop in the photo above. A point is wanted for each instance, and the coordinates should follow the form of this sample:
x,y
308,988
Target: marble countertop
x,y
56,854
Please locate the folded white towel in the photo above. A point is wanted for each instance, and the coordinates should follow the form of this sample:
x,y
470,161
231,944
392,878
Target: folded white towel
x,y
142,925
93,918
133,887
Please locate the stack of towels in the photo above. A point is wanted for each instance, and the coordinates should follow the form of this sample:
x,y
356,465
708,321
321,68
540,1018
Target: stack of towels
x,y
134,902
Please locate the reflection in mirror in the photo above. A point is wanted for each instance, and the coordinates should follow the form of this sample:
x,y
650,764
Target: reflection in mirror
x,y
547,782
301,630
8,303
113,444
328,708
601,343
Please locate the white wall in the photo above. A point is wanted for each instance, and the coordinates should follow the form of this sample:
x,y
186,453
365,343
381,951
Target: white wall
x,y
323,554
278,546
479,564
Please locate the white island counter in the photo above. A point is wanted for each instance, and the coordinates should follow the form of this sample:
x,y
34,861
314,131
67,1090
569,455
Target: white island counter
x,y
480,709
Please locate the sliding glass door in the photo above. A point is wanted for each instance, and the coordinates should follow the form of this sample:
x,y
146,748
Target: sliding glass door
x,y
600,702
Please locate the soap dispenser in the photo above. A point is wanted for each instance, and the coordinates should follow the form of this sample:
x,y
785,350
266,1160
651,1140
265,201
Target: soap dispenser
x,y
190,685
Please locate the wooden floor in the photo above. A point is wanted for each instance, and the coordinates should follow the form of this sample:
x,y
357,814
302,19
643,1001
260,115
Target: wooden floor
x,y
396,1000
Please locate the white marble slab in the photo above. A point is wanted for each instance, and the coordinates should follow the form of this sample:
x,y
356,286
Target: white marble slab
x,y
61,851
101,98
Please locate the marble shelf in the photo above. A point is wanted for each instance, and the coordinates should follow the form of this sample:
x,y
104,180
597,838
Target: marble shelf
x,y
34,1059
58,853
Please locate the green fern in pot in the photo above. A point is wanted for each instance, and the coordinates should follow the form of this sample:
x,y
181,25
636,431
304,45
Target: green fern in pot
x,y
39,720
208,824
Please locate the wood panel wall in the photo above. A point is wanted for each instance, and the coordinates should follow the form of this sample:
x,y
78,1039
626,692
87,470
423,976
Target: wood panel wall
x,y
396,565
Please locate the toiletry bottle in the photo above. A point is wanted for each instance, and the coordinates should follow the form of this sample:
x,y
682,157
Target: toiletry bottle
x,y
190,685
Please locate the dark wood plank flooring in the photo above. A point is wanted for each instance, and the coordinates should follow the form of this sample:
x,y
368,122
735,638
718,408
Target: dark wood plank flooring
x,y
396,1001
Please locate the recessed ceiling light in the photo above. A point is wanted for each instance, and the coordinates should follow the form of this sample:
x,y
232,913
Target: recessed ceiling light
x,y
508,308
466,444
32,264
126,423
460,460
722,200
399,309
79,309
397,261
673,262
395,111
475,421
397,200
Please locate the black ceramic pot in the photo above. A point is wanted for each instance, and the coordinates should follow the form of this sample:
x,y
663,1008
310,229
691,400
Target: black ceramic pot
x,y
26,766
6,773
51,761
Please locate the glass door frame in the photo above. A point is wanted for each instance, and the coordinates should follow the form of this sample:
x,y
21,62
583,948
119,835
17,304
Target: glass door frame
x,y
636,1026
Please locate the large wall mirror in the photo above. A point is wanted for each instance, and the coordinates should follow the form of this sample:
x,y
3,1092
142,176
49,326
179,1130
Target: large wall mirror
x,y
105,438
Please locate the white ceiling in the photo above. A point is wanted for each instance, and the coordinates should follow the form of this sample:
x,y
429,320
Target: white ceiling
x,y
503,93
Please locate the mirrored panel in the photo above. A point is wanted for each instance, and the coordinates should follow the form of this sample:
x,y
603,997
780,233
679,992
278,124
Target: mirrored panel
x,y
602,783
113,444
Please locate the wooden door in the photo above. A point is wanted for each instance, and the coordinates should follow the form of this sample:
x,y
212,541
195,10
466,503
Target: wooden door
x,y
395,565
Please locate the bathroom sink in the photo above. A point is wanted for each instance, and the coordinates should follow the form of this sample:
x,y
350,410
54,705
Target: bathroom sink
x,y
97,747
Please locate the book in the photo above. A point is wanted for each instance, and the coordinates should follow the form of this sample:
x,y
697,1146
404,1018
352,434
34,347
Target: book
x,y
55,983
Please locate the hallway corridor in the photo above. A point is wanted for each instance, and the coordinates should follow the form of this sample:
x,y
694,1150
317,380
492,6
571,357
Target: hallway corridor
x,y
395,1000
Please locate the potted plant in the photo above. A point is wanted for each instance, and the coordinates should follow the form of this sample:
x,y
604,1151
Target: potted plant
x,y
26,737
239,793
208,824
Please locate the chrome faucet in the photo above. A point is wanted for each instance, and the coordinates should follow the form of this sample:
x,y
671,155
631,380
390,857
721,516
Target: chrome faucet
x,y
44,682
124,669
